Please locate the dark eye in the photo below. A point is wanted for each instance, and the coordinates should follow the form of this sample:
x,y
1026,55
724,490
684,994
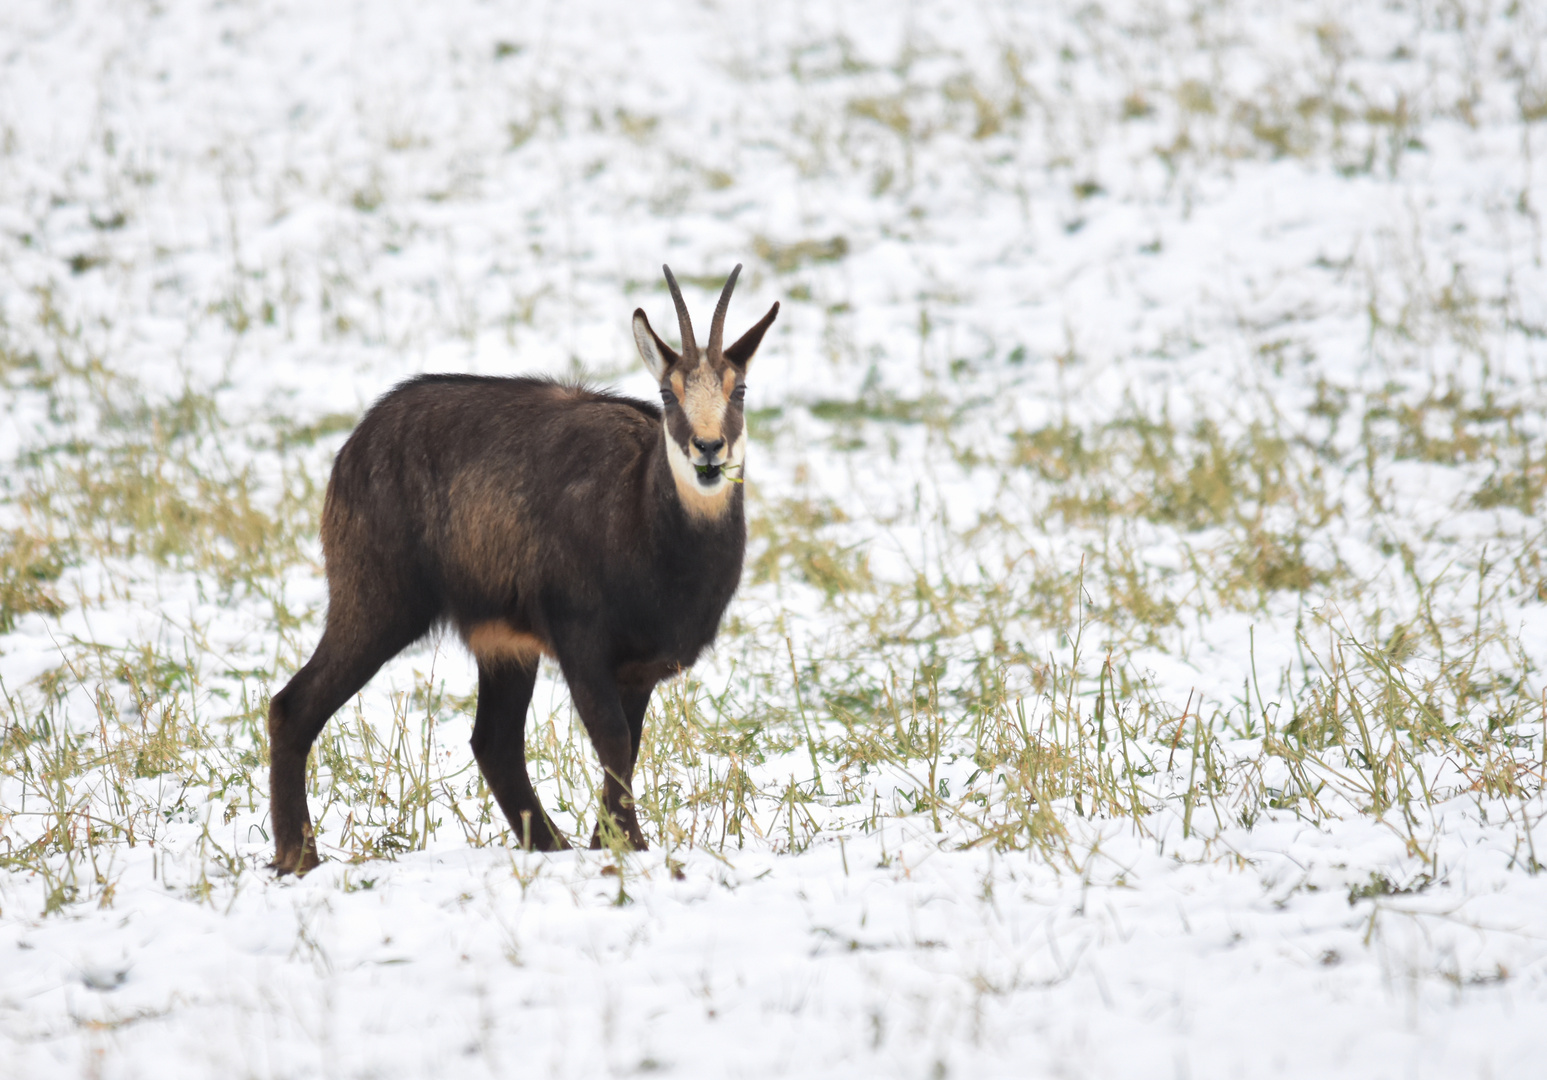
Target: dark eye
x,y
739,394
667,397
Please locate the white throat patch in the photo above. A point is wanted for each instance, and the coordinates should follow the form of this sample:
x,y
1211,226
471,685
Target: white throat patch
x,y
704,500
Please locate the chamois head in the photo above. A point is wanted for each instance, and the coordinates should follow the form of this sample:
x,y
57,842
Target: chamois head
x,y
701,393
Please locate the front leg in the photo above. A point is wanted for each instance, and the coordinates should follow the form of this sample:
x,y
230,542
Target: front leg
x,y
499,745
636,702
595,693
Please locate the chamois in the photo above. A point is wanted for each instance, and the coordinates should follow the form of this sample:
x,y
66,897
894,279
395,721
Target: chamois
x,y
534,518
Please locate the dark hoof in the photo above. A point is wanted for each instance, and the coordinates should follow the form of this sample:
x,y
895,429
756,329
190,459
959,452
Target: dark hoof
x,y
299,863
546,842
541,837
636,841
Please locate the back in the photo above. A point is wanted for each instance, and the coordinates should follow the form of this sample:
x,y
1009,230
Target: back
x,y
470,479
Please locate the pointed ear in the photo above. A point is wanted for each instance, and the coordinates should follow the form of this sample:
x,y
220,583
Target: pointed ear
x,y
657,355
740,354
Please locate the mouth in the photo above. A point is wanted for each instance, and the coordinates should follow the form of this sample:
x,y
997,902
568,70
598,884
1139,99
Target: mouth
x,y
708,474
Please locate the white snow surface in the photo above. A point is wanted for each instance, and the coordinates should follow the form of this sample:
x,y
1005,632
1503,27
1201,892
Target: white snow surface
x,y
292,206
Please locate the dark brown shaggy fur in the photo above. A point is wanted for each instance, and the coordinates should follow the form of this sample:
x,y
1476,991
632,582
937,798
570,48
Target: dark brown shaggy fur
x,y
533,518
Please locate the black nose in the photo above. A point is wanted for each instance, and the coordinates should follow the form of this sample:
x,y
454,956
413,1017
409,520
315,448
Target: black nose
x,y
708,447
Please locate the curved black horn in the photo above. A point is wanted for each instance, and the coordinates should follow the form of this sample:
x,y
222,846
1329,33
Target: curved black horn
x,y
685,324
717,326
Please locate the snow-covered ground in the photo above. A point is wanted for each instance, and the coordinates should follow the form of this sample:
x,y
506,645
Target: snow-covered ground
x,y
1296,247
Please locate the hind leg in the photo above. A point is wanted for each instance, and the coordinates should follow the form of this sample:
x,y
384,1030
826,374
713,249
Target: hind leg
x,y
499,744
344,662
